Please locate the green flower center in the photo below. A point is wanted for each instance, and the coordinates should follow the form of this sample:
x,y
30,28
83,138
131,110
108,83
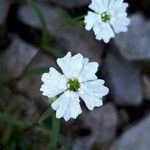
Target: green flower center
x,y
105,16
73,85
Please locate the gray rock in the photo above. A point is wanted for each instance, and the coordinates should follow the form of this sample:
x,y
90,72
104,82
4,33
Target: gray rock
x,y
4,6
134,44
78,40
124,80
123,118
69,38
53,16
102,122
70,3
135,138
14,60
40,61
23,108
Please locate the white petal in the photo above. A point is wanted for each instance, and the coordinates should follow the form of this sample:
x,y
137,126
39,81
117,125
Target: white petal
x,y
76,64
50,86
92,92
119,2
61,105
121,15
119,29
67,105
121,8
111,5
120,25
122,21
90,100
96,87
74,108
90,20
71,66
63,62
106,33
105,3
97,28
88,72
97,6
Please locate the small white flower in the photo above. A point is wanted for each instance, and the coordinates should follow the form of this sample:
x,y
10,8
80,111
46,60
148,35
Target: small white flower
x,y
108,18
78,80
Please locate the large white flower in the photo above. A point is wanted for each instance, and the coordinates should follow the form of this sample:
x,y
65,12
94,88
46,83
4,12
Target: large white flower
x,y
108,18
77,81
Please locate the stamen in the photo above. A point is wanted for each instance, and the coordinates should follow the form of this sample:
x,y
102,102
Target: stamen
x,y
73,85
105,16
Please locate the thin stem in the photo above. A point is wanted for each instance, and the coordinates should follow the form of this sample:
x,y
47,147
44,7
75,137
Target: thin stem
x,y
74,21
45,42
54,131
9,120
36,9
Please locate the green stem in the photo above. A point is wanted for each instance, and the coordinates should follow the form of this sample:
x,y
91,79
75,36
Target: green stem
x,y
54,132
36,9
45,37
79,18
9,120
74,21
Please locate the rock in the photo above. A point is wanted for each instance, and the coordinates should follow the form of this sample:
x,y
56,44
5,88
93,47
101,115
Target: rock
x,y
53,17
4,6
102,123
23,108
33,90
70,3
146,87
69,38
78,40
123,118
134,44
15,59
135,138
124,80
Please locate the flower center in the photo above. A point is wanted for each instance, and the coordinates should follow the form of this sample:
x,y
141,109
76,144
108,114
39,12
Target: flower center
x,y
105,16
73,85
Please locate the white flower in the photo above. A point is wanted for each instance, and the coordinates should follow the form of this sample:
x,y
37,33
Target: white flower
x,y
108,18
78,80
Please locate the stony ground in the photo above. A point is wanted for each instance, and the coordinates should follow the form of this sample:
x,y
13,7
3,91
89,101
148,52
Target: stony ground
x,y
122,123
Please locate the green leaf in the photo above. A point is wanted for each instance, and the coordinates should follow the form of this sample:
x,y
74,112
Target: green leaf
x,y
51,49
43,132
51,100
13,146
45,115
45,37
54,131
7,134
24,143
74,21
6,118
36,9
